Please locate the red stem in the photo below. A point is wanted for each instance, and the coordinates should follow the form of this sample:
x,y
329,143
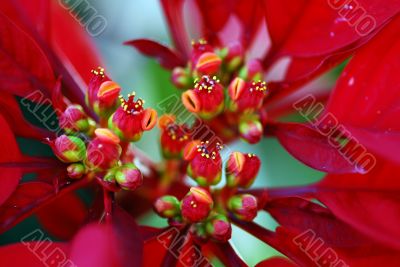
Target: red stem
x,y
108,205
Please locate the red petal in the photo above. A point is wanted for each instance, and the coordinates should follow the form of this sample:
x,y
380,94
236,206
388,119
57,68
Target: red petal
x,y
310,28
165,56
366,98
95,246
312,148
24,69
63,217
9,176
276,262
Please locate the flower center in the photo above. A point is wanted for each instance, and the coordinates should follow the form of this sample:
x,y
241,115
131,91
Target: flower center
x,y
205,83
130,105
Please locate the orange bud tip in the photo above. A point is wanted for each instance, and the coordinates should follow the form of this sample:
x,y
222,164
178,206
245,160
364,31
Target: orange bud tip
x,y
236,88
106,135
190,101
190,150
165,120
108,88
201,195
149,119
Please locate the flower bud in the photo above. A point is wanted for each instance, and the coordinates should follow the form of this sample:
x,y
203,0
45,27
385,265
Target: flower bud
x,y
242,169
246,96
244,207
129,177
102,94
181,78
173,137
103,151
69,148
253,70
206,99
251,130
232,55
205,163
74,119
76,170
131,119
219,228
167,206
196,205
208,63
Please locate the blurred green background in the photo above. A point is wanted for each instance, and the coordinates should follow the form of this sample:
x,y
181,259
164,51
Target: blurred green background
x,y
144,19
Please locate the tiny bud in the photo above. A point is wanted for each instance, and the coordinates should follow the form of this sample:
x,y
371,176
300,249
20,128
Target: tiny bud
x,y
235,55
106,135
206,99
74,119
219,228
242,169
102,94
130,120
244,207
205,163
76,170
173,137
251,130
252,70
246,97
129,177
181,78
102,153
196,205
167,206
108,93
208,63
69,148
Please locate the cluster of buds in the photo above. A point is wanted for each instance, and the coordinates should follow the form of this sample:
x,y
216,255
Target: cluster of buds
x,y
207,210
91,149
196,209
174,136
240,81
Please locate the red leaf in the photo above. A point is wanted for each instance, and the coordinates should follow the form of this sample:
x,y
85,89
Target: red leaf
x,y
312,148
310,28
9,176
369,203
276,262
165,56
11,111
30,197
129,237
26,197
63,217
24,68
51,20
173,11
366,98
23,254
214,15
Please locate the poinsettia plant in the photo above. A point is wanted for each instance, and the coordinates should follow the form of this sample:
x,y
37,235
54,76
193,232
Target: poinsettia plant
x,y
240,69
